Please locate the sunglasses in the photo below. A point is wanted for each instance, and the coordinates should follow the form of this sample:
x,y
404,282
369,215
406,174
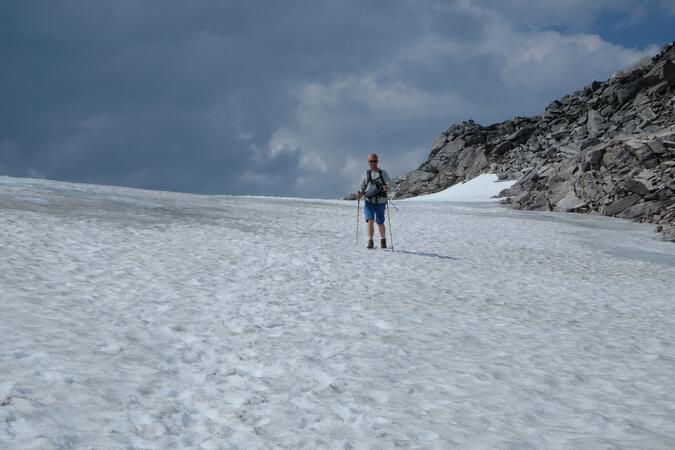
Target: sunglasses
x,y
372,160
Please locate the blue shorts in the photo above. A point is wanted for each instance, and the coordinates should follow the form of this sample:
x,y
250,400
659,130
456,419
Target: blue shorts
x,y
376,211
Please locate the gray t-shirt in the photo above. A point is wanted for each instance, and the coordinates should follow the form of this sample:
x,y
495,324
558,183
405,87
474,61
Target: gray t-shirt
x,y
375,176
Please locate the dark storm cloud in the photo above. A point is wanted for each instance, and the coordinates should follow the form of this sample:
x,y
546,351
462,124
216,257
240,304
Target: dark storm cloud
x,y
279,98
155,94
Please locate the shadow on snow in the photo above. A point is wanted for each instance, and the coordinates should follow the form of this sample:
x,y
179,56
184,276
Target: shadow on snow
x,y
429,254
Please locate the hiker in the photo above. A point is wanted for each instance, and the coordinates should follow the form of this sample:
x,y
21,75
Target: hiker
x,y
374,187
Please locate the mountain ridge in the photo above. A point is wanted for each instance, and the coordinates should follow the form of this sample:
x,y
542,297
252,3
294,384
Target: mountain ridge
x,y
607,149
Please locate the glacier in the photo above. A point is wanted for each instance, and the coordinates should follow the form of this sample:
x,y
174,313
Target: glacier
x,y
154,320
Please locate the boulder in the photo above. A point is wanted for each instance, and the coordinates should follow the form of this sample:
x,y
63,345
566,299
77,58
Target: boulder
x,y
503,147
662,71
554,106
647,114
657,147
596,123
616,156
439,143
621,205
570,202
585,143
520,135
641,210
594,157
628,91
637,187
558,135
643,153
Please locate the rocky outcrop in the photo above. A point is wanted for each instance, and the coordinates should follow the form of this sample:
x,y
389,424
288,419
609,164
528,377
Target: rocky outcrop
x,y
607,149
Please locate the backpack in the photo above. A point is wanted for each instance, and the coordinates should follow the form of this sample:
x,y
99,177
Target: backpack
x,y
375,187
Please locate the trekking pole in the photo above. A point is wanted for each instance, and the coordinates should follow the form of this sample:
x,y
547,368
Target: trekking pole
x,y
391,235
358,212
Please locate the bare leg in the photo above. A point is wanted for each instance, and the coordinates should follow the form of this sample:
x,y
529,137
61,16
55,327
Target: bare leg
x,y
383,234
371,229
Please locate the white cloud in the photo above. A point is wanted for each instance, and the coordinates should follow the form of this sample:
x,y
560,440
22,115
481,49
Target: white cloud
x,y
394,99
540,61
283,140
501,71
336,124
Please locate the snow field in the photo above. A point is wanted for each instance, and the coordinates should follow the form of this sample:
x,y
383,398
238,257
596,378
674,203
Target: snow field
x,y
135,319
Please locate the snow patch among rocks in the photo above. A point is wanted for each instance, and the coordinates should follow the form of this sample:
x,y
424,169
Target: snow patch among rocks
x,y
483,188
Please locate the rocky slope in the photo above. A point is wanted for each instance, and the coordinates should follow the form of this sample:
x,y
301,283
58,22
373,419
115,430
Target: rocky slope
x,y
607,149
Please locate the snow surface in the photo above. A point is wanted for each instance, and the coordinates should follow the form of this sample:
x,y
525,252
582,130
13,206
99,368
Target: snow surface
x,y
483,188
133,319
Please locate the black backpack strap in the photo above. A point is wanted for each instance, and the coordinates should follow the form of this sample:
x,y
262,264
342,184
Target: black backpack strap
x,y
383,183
370,176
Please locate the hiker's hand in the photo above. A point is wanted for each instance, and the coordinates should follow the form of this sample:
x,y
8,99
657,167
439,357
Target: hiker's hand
x,y
386,188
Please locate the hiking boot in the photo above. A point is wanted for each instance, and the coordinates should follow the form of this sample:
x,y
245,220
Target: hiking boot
x,y
371,244
383,243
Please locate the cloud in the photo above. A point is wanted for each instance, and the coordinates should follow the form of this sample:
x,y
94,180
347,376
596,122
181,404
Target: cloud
x,y
505,71
337,123
540,63
283,98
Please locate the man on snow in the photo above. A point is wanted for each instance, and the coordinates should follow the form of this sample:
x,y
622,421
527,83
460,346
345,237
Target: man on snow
x,y
374,187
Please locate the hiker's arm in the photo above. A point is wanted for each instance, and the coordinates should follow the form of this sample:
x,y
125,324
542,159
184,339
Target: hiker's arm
x,y
387,180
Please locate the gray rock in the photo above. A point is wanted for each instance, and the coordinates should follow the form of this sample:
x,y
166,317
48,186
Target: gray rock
x,y
637,187
594,157
567,150
585,143
553,106
503,147
608,149
552,151
640,149
596,123
570,202
662,71
439,143
608,96
658,89
520,135
641,210
621,205
647,114
560,134
657,147
616,156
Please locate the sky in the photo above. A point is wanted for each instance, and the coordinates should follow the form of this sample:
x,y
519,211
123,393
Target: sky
x,y
287,98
